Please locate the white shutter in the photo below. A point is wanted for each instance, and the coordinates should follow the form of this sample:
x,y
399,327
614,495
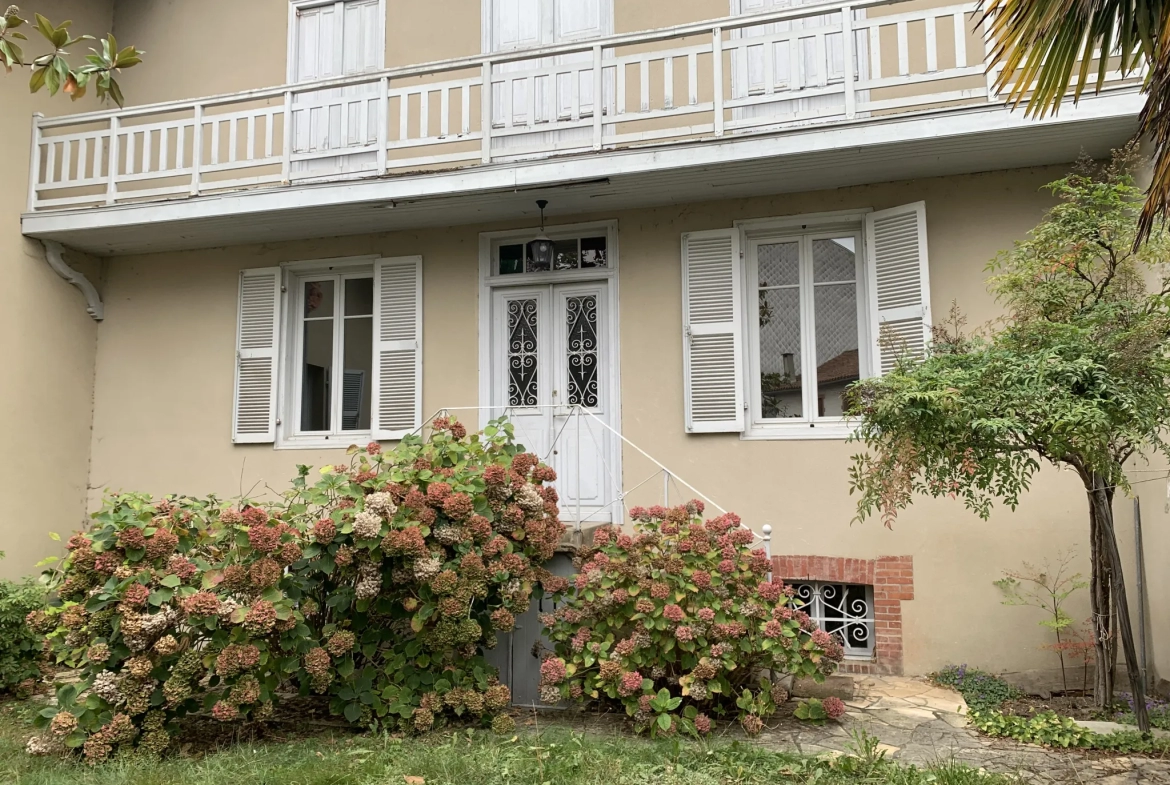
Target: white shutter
x,y
577,19
397,382
713,333
516,24
899,284
257,350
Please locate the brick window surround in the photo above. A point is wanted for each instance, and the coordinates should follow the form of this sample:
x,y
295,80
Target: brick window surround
x,y
892,579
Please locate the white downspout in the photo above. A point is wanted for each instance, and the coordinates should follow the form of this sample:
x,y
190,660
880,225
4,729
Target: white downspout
x,y
55,256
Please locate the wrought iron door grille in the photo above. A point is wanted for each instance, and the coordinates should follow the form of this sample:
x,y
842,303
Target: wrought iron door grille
x,y
841,609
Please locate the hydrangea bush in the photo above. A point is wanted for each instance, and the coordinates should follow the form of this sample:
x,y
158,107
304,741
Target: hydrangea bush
x,y
418,559
380,584
676,622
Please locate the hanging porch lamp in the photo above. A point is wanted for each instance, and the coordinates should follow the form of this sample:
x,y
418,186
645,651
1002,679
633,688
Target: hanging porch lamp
x,y
540,250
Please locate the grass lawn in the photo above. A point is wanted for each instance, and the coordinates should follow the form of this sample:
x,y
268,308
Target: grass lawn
x,y
464,757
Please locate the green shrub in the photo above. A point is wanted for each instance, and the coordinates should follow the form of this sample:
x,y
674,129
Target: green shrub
x,y
20,647
675,621
379,584
981,690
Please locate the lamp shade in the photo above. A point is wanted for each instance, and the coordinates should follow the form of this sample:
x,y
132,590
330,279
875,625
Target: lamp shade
x,y
540,253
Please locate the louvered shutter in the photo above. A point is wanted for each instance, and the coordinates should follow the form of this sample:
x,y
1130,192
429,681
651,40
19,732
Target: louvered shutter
x,y
899,284
397,382
257,350
713,333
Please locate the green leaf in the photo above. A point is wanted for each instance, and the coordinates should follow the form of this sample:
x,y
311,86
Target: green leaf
x,y
664,721
171,581
353,711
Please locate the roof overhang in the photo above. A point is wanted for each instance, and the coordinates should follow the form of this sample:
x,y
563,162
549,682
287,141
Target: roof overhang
x,y
813,158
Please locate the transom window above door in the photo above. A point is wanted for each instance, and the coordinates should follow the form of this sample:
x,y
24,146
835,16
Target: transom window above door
x,y
570,253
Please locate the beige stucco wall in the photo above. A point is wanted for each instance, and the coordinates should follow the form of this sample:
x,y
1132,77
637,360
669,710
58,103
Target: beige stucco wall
x,y
166,355
47,341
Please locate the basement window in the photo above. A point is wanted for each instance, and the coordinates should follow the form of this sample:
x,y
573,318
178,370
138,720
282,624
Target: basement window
x,y
841,609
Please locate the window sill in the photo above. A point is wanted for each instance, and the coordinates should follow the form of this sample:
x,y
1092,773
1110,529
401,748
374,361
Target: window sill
x,y
335,442
804,431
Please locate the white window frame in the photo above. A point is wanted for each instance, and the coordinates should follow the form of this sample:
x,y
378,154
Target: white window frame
x,y
294,8
288,398
805,228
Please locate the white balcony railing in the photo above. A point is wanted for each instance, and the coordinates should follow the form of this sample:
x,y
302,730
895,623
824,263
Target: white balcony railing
x,y
828,62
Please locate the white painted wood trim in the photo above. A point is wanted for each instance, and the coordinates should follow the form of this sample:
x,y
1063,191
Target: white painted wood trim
x,y
802,228
488,282
291,48
860,134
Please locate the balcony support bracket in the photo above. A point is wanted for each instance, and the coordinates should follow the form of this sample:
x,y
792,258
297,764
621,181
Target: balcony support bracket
x,y
55,256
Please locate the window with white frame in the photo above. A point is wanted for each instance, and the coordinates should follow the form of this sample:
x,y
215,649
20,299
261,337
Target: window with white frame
x,y
333,332
844,610
781,315
806,324
329,354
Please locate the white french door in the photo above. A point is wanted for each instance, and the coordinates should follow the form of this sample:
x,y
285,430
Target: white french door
x,y
333,38
552,350
523,24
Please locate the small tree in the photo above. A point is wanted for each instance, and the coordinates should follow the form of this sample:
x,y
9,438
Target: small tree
x,y
1076,376
52,69
1046,588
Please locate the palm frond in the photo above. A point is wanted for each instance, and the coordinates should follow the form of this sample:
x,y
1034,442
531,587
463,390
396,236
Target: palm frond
x,y
1049,50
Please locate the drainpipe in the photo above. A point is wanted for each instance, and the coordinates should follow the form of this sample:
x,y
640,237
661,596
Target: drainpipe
x,y
55,256
1140,574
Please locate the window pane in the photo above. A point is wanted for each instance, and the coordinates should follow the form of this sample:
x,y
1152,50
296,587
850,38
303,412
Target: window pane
x,y
565,255
779,264
836,337
359,296
318,299
834,260
511,259
315,373
593,252
359,362
522,378
780,383
581,317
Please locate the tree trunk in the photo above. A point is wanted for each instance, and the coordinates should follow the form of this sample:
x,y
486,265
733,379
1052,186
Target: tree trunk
x,y
1101,498
1100,603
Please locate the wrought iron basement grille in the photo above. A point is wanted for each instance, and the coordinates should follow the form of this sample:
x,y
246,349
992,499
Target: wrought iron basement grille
x,y
841,609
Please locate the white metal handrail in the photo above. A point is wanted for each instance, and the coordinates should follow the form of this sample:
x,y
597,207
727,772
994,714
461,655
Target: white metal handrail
x,y
685,82
622,490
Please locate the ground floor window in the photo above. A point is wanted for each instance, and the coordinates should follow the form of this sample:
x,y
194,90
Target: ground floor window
x,y
334,350
841,609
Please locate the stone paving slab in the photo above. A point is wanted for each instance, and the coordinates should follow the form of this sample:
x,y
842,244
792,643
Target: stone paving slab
x,y
921,724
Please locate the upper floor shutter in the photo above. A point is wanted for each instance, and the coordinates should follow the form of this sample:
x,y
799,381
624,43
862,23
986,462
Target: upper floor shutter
x,y
577,19
516,24
397,382
257,352
899,284
713,333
